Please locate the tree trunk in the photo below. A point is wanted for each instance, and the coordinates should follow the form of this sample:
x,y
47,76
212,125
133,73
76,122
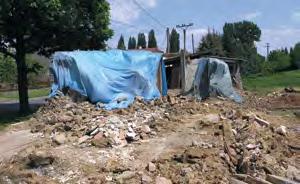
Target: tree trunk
x,y
22,76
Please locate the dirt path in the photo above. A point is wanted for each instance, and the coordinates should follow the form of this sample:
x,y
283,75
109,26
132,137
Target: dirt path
x,y
13,142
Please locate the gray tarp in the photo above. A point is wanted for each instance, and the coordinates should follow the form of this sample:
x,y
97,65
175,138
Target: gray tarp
x,y
210,77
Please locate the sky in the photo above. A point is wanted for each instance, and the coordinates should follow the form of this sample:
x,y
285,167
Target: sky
x,y
279,20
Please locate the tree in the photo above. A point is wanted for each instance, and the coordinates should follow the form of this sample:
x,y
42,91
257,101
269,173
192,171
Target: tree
x,y
121,43
132,43
174,41
141,43
43,27
239,38
211,44
239,41
295,55
152,40
129,46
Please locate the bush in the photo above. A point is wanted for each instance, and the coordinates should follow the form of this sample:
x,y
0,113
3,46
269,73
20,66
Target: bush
x,y
8,70
280,60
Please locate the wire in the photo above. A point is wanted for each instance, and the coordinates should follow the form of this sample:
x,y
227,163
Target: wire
x,y
130,25
149,14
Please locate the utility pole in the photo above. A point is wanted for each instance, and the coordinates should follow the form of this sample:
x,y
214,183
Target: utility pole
x,y
193,43
184,27
268,51
168,41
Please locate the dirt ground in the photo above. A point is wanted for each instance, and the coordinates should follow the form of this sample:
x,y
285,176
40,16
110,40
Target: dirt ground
x,y
173,140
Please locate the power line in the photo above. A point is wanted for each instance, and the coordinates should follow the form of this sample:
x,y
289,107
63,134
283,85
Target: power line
x,y
184,27
149,14
118,6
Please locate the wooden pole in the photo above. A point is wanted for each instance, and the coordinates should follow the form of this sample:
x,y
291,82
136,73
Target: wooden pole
x,y
193,43
182,70
168,41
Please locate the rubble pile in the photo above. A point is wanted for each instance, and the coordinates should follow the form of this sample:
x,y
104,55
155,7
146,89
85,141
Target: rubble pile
x,y
282,99
175,140
255,148
250,150
64,121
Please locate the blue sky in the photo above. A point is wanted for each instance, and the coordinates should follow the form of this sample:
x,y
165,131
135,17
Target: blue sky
x,y
278,19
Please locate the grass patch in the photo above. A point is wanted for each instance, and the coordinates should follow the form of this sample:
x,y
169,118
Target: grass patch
x,y
265,84
33,93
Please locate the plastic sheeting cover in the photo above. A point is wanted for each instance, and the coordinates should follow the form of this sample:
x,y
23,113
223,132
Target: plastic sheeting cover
x,y
113,77
212,78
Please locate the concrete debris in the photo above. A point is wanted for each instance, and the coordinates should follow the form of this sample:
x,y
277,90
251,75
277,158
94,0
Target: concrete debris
x,y
146,129
162,180
146,179
293,173
125,176
40,159
83,139
282,130
59,139
151,167
84,121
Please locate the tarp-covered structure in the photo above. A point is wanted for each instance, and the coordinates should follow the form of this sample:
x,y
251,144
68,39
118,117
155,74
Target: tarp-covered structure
x,y
113,77
206,77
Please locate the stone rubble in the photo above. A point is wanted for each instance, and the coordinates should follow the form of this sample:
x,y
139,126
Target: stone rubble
x,y
65,121
226,142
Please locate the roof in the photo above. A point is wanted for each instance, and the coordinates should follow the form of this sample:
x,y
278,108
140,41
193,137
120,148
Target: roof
x,y
157,50
175,57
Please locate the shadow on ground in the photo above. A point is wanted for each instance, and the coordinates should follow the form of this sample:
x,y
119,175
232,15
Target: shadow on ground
x,y
9,112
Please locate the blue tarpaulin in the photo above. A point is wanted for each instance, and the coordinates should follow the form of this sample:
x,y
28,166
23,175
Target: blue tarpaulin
x,y
212,78
112,77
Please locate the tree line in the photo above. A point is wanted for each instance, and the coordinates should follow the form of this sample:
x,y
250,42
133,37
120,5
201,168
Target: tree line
x,y
238,41
141,42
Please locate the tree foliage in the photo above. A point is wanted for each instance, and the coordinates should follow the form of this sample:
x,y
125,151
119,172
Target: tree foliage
x,y
132,43
8,70
141,43
152,43
174,41
239,41
280,60
295,55
239,38
40,26
211,44
121,43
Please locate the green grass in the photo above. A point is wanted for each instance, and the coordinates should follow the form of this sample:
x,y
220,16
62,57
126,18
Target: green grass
x,y
33,93
265,84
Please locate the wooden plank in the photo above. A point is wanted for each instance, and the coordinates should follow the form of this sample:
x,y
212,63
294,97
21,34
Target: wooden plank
x,y
236,181
279,180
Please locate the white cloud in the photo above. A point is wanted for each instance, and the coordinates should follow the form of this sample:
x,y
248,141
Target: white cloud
x,y
278,38
127,11
251,16
296,15
198,34
123,14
